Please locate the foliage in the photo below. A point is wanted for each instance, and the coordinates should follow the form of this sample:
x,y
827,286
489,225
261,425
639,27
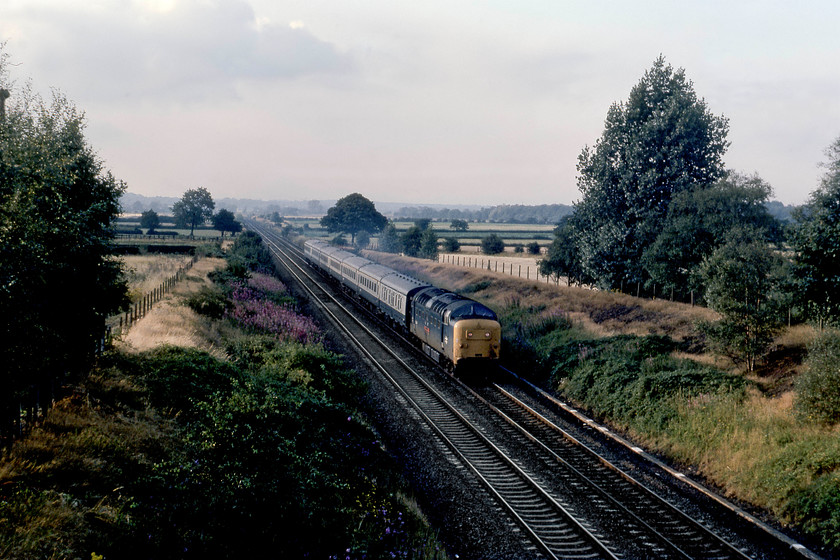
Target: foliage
x,y
224,220
661,142
816,239
429,245
352,214
562,258
423,223
362,239
492,244
533,248
149,220
451,244
411,241
818,388
58,281
699,221
249,254
743,279
459,225
389,240
193,209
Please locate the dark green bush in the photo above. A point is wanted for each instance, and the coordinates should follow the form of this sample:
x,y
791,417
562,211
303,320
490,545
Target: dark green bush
x,y
818,388
209,301
178,377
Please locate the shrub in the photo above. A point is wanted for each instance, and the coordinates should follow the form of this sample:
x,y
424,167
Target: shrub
x,y
451,244
818,389
492,244
533,248
209,301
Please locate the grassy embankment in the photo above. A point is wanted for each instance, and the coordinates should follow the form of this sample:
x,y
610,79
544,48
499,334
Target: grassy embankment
x,y
220,427
641,365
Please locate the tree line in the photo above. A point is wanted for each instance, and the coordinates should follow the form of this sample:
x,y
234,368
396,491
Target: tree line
x,y
660,214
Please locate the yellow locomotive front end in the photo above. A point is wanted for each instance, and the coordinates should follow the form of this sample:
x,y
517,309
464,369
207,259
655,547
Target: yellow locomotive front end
x,y
475,339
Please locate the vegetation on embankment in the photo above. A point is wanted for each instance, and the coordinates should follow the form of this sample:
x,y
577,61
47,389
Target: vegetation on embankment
x,y
177,452
643,367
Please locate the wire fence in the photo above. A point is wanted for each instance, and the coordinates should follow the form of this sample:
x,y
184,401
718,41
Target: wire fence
x,y
19,416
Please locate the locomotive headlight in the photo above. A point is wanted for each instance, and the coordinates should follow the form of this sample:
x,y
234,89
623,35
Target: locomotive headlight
x,y
487,334
469,334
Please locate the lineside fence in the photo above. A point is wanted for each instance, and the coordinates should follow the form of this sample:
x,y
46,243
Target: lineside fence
x,y
529,270
18,417
119,325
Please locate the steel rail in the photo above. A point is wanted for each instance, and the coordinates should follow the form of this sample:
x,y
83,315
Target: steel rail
x,y
547,536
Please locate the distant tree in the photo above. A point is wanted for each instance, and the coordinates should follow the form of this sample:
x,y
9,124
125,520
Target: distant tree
x,y
224,220
451,244
429,245
389,240
149,220
423,223
362,239
518,248
194,209
411,241
492,244
352,214
533,248
459,225
816,239
661,142
743,280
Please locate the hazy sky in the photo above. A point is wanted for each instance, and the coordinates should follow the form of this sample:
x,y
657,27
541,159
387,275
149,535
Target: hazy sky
x,y
483,102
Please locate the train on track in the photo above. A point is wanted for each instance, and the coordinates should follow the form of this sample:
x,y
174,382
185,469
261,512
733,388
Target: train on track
x,y
452,329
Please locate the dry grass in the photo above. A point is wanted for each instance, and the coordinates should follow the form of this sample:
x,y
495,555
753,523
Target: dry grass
x,y
144,273
172,322
601,313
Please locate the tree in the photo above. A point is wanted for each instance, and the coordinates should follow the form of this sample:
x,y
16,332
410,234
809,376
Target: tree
x,y
429,245
699,221
411,241
562,258
743,280
492,244
451,244
533,248
816,239
459,225
423,223
224,220
362,239
194,209
58,281
352,214
389,240
661,142
149,220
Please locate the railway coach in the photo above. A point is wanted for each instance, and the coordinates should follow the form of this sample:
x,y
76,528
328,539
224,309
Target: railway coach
x,y
451,328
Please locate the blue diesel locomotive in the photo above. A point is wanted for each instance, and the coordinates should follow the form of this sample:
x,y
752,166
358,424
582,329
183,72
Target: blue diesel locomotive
x,y
452,329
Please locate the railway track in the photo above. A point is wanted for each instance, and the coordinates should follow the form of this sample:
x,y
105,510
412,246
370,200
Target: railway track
x,y
569,501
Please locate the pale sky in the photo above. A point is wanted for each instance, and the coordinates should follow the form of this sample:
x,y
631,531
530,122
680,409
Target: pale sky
x,y
483,102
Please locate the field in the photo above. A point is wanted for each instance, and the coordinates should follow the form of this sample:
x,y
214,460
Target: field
x,y
470,240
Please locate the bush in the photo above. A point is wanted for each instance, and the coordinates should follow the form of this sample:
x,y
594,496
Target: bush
x,y
209,301
451,244
533,248
492,244
818,389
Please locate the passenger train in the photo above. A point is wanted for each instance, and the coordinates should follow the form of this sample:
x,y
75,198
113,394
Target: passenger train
x,y
452,329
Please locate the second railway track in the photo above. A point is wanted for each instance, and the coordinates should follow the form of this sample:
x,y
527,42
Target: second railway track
x,y
568,501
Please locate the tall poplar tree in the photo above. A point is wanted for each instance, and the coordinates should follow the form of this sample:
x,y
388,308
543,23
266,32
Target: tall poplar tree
x,y
662,141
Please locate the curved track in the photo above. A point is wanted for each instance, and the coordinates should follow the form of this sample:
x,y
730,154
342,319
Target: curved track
x,y
572,502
